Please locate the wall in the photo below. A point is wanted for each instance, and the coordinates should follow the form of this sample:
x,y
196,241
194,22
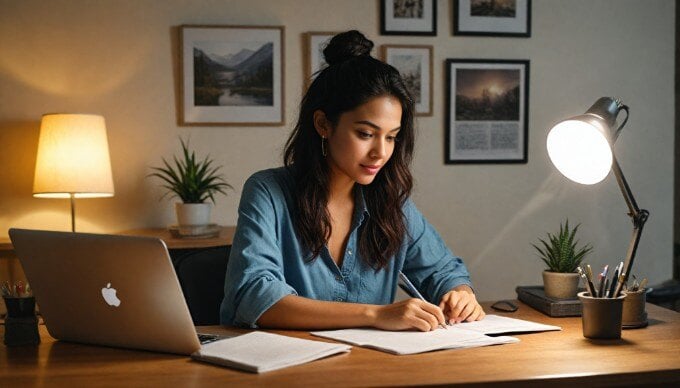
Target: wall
x,y
119,59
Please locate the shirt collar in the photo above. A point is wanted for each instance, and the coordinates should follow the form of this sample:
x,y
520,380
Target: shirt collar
x,y
360,208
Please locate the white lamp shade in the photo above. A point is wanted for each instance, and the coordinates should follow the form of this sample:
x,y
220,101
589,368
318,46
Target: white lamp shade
x,y
73,157
579,149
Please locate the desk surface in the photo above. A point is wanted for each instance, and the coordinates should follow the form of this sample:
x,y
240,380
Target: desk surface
x,y
642,356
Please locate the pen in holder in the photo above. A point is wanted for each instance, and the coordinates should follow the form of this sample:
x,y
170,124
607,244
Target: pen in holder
x,y
21,323
601,317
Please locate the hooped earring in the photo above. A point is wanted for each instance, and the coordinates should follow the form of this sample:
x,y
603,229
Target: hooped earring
x,y
323,146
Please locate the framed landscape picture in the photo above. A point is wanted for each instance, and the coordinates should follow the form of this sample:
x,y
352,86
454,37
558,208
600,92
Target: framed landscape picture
x,y
315,43
415,65
232,75
510,18
408,17
487,109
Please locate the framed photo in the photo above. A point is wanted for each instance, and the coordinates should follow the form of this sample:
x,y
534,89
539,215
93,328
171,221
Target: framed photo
x,y
487,110
232,75
415,65
510,18
315,43
408,17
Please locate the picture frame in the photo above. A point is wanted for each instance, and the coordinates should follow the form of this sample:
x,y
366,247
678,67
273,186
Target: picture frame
x,y
501,18
408,17
414,62
232,75
487,111
315,43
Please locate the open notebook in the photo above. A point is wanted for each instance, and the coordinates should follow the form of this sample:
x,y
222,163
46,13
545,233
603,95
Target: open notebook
x,y
459,336
260,352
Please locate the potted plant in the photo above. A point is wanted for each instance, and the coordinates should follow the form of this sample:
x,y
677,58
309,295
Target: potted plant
x,y
562,255
194,182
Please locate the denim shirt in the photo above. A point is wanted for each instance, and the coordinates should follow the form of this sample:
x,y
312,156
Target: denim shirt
x,y
268,262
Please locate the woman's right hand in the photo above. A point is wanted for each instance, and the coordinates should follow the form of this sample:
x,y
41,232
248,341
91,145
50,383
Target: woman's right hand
x,y
409,314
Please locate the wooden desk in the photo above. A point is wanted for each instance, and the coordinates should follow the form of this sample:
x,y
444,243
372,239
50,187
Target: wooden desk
x,y
565,358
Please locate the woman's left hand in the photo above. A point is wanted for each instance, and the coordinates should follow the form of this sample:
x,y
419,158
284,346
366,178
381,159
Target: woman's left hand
x,y
460,304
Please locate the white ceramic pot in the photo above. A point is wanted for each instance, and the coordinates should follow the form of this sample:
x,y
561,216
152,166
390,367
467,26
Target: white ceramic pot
x,y
193,213
560,285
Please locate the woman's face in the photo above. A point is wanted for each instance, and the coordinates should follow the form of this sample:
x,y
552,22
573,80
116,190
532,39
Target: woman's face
x,y
362,141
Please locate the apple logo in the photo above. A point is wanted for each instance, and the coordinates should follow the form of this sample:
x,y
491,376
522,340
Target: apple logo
x,y
109,295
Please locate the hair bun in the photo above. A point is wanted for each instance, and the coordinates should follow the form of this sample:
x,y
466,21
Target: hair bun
x,y
347,45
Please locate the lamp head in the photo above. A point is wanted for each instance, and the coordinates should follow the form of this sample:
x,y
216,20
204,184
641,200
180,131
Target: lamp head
x,y
581,147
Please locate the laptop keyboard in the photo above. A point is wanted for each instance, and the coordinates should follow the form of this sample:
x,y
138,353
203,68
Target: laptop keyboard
x,y
205,338
208,338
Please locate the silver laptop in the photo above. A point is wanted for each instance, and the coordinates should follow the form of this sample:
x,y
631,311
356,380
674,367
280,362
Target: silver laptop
x,y
107,290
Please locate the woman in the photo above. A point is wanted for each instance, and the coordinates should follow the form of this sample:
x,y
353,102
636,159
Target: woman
x,y
320,242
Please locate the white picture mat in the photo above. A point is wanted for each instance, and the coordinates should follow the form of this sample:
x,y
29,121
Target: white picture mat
x,y
317,43
468,23
424,54
408,24
231,114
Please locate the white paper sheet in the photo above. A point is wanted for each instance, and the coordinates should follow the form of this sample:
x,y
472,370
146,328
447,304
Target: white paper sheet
x,y
458,336
496,324
262,352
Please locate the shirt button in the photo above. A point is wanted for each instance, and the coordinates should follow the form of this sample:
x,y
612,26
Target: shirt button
x,y
338,278
338,299
349,251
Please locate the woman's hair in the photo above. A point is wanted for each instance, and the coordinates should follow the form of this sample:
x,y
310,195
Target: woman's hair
x,y
351,79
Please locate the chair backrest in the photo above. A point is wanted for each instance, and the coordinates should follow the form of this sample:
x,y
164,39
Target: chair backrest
x,y
201,274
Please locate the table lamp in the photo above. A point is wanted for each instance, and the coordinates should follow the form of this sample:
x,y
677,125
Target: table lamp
x,y
73,159
581,148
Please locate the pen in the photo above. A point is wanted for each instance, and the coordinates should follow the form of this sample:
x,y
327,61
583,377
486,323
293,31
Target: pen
x,y
414,291
603,276
613,283
583,275
589,275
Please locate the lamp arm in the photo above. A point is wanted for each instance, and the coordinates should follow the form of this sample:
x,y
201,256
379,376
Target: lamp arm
x,y
638,216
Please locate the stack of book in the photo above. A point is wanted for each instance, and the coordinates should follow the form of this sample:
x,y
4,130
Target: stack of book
x,y
535,297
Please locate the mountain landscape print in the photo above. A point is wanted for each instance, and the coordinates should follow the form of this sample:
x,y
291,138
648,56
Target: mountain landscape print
x,y
233,73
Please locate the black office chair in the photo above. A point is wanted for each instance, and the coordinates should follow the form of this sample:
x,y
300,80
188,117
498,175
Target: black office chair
x,y
201,274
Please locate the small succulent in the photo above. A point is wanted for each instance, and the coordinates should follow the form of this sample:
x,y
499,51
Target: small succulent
x,y
191,180
561,253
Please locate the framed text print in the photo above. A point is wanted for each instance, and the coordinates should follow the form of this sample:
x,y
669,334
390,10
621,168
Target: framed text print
x,y
415,65
232,75
487,110
408,17
510,18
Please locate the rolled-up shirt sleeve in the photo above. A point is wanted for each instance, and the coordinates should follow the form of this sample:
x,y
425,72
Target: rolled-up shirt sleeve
x,y
429,263
255,280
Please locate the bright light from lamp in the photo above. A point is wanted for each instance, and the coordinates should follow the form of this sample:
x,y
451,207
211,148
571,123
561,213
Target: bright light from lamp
x,y
580,150
73,159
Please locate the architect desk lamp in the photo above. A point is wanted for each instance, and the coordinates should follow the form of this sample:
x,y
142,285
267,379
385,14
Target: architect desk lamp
x,y
73,159
581,148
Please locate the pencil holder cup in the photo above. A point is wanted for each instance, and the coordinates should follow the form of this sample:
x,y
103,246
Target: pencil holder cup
x,y
634,314
601,317
21,323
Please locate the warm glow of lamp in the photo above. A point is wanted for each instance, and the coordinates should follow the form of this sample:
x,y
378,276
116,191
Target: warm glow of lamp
x,y
581,149
73,159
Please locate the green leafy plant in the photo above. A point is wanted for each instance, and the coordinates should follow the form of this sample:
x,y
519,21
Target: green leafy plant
x,y
191,180
561,253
